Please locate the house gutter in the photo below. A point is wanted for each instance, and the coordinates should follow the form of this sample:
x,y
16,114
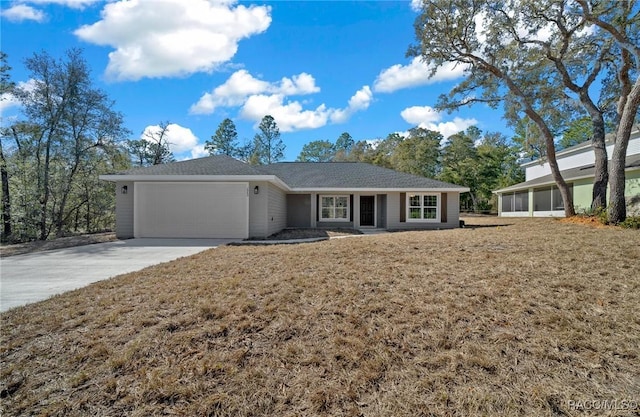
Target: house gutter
x,y
196,178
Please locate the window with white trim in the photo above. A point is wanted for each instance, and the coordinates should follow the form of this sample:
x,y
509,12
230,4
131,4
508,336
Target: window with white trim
x,y
423,207
334,208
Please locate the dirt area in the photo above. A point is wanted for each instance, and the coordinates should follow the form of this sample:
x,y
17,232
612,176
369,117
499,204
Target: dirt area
x,y
590,221
288,234
64,242
526,317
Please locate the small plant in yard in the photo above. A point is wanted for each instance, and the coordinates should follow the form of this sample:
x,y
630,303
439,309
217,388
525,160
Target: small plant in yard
x,y
631,222
599,214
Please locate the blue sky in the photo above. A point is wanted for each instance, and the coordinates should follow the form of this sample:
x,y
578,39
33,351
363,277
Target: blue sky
x,y
319,68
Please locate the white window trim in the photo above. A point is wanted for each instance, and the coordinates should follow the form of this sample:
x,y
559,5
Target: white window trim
x,y
332,219
408,208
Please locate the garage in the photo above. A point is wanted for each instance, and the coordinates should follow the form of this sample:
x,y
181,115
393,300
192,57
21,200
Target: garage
x,y
191,210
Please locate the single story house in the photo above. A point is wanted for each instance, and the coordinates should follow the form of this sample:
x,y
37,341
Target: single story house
x,y
221,197
538,196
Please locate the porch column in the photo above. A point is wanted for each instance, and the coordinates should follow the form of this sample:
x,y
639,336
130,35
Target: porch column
x,y
530,202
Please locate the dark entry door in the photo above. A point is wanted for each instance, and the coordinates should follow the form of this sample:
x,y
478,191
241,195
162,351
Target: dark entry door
x,y
367,211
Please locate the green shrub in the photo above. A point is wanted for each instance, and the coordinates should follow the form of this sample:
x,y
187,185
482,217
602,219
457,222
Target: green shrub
x,y
631,222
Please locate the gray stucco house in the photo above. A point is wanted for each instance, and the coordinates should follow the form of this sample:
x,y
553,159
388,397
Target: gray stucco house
x,y
221,197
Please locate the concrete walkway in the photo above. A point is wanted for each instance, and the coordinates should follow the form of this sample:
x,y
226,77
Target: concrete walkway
x,y
37,276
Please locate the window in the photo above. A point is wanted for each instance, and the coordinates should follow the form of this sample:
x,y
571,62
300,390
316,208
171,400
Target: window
x,y
423,207
558,203
507,202
334,207
521,201
542,199
549,198
517,201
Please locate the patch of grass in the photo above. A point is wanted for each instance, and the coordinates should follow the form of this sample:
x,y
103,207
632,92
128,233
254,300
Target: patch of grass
x,y
515,318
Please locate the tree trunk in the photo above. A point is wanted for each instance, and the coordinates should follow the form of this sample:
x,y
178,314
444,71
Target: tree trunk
x,y
618,205
474,203
599,195
565,192
6,198
567,200
628,111
60,215
44,199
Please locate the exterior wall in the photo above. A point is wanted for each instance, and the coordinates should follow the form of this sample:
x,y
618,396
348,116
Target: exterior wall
x,y
276,209
632,193
124,210
580,158
393,211
381,211
299,210
573,161
267,209
258,204
314,209
582,194
453,209
393,214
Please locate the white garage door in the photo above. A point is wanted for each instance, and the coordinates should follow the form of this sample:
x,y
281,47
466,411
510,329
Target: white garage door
x,y
191,210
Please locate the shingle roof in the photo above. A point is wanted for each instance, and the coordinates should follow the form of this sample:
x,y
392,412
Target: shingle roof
x,y
632,163
348,175
299,175
210,165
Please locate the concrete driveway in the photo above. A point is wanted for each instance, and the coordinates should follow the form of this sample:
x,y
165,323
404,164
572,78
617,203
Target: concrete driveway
x,y
37,276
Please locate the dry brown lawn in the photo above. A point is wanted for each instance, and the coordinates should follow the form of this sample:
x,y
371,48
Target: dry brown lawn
x,y
531,318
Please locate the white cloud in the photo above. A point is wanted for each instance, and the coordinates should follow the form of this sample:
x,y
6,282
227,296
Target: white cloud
x,y
289,116
447,129
358,102
198,152
416,5
21,12
302,83
8,100
361,99
180,139
162,38
415,74
241,85
483,19
427,118
258,98
420,114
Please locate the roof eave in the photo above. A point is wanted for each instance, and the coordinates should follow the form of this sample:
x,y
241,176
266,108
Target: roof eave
x,y
195,178
517,187
385,190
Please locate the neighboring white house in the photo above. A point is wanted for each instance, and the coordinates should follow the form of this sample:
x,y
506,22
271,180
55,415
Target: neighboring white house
x,y
538,196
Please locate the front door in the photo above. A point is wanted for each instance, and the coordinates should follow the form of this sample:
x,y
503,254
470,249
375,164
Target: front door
x,y
367,210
